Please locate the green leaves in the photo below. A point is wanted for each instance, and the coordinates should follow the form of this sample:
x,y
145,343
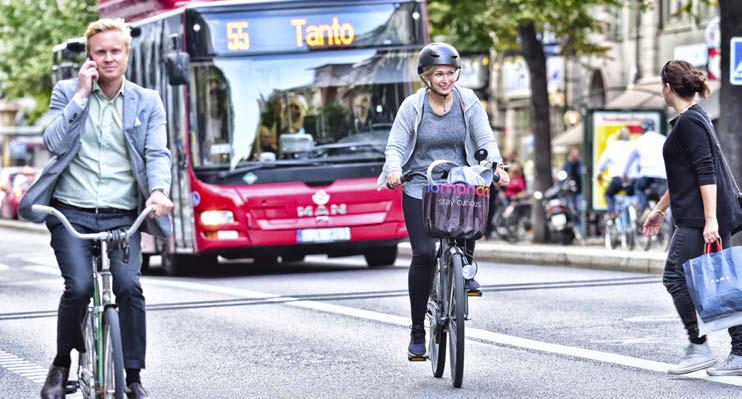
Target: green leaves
x,y
481,24
28,30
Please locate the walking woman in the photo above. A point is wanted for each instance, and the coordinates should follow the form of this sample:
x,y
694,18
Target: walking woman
x,y
439,121
703,205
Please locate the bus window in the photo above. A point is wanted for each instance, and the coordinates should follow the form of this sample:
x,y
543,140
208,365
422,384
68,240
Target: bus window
x,y
294,104
213,117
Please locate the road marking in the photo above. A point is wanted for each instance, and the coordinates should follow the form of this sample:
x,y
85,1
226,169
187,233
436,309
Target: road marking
x,y
22,367
659,318
471,333
44,269
26,369
4,267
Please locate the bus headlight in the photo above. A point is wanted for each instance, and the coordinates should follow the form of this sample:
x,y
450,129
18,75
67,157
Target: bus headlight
x,y
216,218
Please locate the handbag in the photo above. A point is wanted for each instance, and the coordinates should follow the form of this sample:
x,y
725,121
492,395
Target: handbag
x,y
715,140
458,206
714,282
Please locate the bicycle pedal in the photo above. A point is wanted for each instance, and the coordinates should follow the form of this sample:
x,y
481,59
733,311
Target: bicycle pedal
x,y
474,293
414,358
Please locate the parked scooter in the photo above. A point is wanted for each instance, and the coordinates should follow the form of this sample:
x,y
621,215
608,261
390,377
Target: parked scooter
x,y
512,222
561,215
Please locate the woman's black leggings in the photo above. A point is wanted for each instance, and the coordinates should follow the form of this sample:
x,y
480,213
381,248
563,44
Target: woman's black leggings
x,y
420,277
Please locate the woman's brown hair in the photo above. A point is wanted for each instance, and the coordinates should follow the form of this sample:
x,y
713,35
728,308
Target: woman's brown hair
x,y
684,80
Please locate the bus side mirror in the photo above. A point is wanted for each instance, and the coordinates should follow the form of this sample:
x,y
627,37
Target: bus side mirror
x,y
176,63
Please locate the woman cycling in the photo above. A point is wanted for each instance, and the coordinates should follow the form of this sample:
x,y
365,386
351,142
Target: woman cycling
x,y
439,121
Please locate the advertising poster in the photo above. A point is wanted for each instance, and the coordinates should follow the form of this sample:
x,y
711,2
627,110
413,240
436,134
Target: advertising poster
x,y
606,126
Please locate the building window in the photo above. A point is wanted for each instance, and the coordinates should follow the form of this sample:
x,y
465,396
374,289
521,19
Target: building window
x,y
612,22
674,14
706,11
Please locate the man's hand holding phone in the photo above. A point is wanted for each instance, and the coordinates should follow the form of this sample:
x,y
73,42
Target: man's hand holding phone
x,y
88,73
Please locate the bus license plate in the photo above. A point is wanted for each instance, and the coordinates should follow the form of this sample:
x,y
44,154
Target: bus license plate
x,y
323,235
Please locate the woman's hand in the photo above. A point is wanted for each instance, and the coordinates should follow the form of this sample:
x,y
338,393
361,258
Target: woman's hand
x,y
504,176
653,223
393,179
711,230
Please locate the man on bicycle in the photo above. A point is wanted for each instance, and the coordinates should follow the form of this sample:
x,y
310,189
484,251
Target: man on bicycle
x,y
614,158
647,152
110,145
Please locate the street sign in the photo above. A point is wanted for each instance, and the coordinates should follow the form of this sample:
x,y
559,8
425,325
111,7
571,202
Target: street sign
x,y
735,55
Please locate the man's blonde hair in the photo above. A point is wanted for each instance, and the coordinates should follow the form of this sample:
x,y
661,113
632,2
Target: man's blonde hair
x,y
104,25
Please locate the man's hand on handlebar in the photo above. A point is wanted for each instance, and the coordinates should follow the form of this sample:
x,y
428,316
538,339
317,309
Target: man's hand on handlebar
x,y
161,202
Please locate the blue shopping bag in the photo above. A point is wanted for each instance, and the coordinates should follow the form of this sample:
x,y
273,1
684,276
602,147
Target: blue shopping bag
x,y
714,282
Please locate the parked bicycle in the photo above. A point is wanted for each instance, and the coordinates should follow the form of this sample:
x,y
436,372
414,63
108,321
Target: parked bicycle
x,y
101,366
622,230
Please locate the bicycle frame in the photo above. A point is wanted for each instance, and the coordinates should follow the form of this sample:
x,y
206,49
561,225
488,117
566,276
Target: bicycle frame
x,y
446,249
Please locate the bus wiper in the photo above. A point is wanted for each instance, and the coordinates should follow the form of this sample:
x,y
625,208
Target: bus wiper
x,y
264,165
375,147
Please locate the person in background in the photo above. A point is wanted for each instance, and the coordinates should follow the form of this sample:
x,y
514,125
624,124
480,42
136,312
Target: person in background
x,y
573,167
647,152
516,188
614,158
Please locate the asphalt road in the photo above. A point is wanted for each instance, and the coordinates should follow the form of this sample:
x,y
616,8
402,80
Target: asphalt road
x,y
335,329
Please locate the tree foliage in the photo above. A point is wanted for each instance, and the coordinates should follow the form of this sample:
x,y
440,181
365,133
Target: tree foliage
x,y
28,31
522,26
481,24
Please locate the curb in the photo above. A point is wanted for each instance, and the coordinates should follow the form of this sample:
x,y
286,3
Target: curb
x,y
589,257
38,228
573,256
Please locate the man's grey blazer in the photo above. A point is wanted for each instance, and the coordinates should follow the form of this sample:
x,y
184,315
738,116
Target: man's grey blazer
x,y
146,138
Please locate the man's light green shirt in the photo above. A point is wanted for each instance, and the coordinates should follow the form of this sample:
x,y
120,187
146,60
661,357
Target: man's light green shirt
x,y
100,175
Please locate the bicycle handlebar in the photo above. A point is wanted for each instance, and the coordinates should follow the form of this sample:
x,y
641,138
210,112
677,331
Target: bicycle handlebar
x,y
103,235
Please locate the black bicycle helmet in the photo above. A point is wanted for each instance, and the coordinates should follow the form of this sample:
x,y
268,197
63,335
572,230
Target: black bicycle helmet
x,y
437,54
647,125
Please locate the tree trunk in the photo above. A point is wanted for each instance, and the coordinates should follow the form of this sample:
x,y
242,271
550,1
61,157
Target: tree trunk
x,y
730,97
533,52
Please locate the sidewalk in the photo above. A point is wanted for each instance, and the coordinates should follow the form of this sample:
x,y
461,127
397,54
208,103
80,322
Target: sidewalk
x,y
592,256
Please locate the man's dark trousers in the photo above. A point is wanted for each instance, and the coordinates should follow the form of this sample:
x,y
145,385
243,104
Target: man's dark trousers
x,y
74,257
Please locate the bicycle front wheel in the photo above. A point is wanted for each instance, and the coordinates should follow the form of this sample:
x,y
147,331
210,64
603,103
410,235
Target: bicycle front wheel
x,y
436,332
86,372
456,318
113,357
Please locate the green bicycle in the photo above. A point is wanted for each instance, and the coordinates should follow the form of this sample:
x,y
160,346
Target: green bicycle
x,y
101,366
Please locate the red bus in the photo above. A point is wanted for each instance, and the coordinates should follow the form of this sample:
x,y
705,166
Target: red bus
x,y
278,116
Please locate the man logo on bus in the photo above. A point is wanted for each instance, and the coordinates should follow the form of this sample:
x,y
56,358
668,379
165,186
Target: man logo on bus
x,y
321,198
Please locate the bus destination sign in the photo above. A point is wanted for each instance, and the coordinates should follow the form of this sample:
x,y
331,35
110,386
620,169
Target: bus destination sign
x,y
280,31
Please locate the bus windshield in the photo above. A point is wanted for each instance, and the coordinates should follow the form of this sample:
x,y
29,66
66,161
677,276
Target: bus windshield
x,y
333,106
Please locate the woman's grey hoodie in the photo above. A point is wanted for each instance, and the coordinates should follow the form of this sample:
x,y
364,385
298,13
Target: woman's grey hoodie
x,y
403,135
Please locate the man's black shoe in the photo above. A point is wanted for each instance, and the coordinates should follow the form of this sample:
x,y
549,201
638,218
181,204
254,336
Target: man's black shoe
x,y
56,383
137,391
472,287
416,349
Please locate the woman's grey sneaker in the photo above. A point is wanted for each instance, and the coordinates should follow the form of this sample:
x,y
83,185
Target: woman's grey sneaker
x,y
731,366
697,357
416,349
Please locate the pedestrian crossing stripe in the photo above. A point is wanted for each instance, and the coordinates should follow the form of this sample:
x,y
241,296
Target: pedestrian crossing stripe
x,y
24,368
